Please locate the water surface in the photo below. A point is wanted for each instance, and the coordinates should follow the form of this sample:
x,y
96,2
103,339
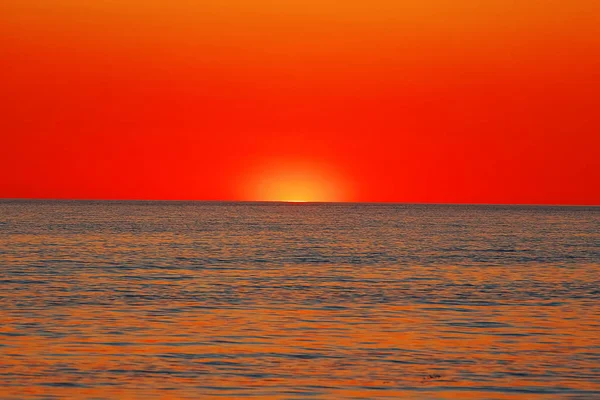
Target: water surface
x,y
231,300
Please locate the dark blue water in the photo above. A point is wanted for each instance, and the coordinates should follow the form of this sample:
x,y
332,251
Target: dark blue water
x,y
281,300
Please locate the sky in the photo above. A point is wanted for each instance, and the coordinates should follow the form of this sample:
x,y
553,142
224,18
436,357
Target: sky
x,y
444,101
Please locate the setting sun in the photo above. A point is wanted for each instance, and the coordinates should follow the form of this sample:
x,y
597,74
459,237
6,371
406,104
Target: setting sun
x,y
298,182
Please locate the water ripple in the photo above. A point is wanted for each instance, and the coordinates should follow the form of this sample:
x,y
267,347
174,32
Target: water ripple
x,y
201,300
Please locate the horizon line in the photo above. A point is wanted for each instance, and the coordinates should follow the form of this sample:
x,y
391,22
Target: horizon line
x,y
298,203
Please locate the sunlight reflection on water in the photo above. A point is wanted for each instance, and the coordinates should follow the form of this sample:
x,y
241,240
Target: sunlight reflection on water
x,y
188,300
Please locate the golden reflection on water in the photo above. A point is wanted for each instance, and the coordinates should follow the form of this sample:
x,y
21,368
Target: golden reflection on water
x,y
91,312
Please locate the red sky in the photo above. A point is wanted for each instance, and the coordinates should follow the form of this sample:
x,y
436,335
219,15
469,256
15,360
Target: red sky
x,y
381,100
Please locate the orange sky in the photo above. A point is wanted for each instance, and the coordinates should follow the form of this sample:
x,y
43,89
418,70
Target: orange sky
x,y
490,101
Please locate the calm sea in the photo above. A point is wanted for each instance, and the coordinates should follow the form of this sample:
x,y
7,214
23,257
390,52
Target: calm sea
x,y
266,300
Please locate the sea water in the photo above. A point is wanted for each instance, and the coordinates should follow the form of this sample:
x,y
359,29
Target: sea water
x,y
280,300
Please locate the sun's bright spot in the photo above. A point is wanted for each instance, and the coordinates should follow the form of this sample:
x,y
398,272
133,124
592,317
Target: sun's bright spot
x,y
295,183
295,186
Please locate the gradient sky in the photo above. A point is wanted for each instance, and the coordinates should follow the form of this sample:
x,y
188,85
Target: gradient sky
x,y
493,101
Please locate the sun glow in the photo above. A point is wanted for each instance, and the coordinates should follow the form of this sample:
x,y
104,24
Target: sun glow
x,y
295,187
296,183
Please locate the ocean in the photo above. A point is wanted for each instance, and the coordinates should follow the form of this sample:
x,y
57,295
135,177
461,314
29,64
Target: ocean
x,y
186,300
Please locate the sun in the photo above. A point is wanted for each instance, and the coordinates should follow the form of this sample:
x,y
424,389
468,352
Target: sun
x,y
294,187
295,182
